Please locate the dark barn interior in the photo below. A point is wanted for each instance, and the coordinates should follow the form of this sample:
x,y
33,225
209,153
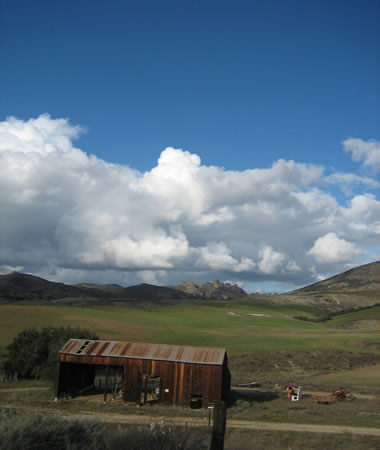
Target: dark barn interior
x,y
145,373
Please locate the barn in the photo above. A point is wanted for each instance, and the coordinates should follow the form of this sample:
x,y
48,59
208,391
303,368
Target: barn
x,y
171,374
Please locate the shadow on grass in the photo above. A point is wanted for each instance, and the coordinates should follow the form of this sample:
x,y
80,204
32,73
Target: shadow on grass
x,y
252,396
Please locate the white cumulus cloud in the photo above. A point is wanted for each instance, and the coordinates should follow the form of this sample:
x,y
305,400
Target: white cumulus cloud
x,y
332,249
270,260
366,151
68,215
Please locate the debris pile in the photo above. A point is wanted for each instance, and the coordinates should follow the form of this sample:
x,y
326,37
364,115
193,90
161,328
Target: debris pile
x,y
294,392
341,394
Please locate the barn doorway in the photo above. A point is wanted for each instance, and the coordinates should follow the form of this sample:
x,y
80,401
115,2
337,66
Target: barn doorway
x,y
150,389
109,381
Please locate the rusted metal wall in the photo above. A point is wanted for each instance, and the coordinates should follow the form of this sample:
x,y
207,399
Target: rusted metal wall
x,y
179,380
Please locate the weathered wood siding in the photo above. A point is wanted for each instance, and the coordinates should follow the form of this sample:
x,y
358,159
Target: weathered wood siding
x,y
179,380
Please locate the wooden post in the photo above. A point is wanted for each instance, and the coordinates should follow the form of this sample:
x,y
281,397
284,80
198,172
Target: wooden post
x,y
161,396
137,385
114,387
145,389
106,384
219,426
58,382
125,382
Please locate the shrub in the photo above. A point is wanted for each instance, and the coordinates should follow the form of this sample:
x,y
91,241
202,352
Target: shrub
x,y
20,431
33,353
37,431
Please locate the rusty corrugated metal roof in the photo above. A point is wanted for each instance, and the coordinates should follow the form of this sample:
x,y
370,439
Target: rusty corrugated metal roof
x,y
136,350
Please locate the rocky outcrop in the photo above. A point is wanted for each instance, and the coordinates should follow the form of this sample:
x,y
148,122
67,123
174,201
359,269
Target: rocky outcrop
x,y
211,290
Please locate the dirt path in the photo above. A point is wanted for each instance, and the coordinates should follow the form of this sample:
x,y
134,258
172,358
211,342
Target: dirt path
x,y
232,423
24,389
335,298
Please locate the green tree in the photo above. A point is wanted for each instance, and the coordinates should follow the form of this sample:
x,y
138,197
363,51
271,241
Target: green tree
x,y
33,353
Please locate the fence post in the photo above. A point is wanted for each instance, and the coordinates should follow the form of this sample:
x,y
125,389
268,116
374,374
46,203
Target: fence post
x,y
219,425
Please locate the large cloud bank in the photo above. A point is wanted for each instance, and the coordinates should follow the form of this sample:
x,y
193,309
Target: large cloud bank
x,y
73,217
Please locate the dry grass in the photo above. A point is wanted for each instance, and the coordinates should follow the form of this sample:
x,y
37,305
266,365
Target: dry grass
x,y
31,430
275,407
367,378
278,440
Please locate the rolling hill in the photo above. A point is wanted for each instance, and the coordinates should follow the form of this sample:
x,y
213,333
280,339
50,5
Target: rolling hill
x,y
356,288
362,278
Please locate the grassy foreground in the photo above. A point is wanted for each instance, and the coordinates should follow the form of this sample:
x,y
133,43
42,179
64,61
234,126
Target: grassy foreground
x,y
80,423
52,431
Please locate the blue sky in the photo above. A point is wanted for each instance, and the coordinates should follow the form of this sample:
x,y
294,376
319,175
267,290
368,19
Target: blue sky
x,y
241,84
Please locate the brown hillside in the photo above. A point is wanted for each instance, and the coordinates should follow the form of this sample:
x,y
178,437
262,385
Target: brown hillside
x,y
360,278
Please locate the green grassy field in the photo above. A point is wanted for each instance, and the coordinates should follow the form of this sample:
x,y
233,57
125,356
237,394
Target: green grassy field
x,y
239,328
242,327
357,378
366,314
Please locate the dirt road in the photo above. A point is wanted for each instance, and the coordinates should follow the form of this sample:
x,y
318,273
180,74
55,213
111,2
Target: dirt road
x,y
232,423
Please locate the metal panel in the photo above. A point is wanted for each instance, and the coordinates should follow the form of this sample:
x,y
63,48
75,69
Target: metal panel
x,y
134,350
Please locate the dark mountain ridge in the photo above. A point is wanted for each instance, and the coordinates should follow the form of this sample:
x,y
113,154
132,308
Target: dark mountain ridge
x,y
19,286
24,287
